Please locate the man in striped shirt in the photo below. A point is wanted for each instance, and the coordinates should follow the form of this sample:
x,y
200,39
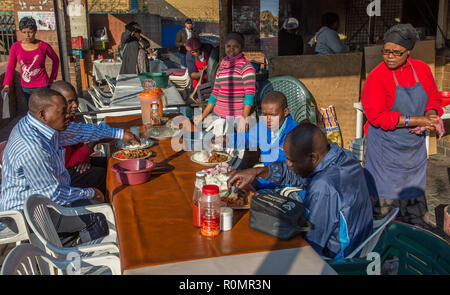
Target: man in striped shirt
x,y
33,160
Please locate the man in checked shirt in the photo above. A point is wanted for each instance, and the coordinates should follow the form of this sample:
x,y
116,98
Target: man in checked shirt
x,y
33,162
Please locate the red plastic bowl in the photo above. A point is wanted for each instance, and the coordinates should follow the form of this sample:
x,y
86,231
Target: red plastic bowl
x,y
445,96
133,171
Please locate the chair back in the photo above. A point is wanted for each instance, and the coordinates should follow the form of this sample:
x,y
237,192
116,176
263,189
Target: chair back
x,y
297,95
111,83
97,101
13,227
417,251
39,220
378,227
25,260
85,106
101,93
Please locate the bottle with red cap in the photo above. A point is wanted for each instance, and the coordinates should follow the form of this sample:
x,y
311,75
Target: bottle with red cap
x,y
210,211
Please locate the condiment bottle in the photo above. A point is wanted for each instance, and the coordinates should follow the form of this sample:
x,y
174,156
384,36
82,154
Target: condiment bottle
x,y
160,93
210,211
226,218
199,183
156,119
147,98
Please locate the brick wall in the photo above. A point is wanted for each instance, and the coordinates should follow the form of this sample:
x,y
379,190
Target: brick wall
x,y
197,10
7,5
117,6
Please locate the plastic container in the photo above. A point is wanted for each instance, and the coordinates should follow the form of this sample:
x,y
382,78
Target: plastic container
x,y
226,218
445,96
133,171
161,79
199,183
155,116
210,211
147,98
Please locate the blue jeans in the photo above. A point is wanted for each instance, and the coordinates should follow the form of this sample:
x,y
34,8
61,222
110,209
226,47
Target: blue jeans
x,y
28,91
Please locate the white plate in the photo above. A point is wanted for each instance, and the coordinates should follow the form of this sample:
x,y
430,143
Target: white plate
x,y
210,164
145,143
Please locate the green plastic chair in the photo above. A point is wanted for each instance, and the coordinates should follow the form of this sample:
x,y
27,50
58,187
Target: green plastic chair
x,y
419,251
298,97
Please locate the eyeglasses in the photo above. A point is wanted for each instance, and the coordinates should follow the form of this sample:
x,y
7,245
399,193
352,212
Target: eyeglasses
x,y
393,52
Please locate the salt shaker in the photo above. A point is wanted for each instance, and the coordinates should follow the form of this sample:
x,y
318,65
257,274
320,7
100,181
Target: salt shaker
x,y
226,220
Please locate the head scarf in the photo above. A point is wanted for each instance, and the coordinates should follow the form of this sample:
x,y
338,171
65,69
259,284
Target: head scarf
x,y
290,24
193,44
402,34
235,36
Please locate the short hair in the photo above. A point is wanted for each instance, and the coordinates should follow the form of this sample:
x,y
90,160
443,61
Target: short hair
x,y
63,86
329,18
275,97
306,138
41,98
27,22
188,21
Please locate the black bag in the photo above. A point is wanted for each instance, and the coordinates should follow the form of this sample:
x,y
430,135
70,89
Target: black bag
x,y
278,216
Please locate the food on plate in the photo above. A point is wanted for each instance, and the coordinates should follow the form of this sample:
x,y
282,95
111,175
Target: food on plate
x,y
218,176
202,156
240,199
128,154
217,158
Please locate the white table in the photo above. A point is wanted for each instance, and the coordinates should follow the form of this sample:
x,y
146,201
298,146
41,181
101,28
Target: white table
x,y
127,92
294,261
102,69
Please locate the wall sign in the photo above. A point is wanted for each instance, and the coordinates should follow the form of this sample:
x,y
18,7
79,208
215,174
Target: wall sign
x,y
45,20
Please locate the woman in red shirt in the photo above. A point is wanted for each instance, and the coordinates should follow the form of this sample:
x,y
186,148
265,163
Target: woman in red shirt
x,y
400,94
31,54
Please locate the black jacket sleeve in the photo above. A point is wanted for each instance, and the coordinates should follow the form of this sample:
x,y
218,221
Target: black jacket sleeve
x,y
281,174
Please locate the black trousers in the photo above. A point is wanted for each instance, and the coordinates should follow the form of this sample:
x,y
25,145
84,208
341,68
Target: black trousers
x,y
94,177
73,230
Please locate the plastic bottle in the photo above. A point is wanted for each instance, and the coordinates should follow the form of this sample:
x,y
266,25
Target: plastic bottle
x,y
147,98
199,183
210,211
155,118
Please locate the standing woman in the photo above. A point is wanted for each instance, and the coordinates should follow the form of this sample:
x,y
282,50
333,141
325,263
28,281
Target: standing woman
x,y
30,53
399,97
234,87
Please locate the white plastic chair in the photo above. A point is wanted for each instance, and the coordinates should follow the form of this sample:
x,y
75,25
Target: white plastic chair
x,y
13,227
111,83
37,215
99,101
378,227
26,259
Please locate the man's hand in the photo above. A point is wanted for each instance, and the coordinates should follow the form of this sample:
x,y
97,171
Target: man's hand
x,y
82,167
131,138
241,179
98,196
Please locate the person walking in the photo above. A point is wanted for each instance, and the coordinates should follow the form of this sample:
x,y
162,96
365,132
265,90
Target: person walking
x,y
183,35
30,54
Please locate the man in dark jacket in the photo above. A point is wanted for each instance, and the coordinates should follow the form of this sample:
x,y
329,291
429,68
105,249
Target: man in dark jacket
x,y
183,35
129,48
337,197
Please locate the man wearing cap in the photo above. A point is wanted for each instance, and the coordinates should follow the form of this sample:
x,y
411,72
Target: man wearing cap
x,y
183,35
290,43
197,57
401,101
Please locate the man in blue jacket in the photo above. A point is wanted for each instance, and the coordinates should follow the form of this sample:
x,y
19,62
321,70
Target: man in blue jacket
x,y
269,134
337,197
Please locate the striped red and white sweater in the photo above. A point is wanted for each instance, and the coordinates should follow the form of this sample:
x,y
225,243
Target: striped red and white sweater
x,y
234,87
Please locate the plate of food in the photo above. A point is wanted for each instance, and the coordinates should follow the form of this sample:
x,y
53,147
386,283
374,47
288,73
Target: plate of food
x,y
129,154
210,159
145,143
239,199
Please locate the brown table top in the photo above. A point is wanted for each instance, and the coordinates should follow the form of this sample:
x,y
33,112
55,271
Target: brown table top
x,y
154,219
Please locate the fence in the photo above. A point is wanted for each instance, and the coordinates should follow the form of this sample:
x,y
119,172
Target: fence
x,y
7,33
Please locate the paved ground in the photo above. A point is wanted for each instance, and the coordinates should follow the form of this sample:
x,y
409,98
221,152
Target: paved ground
x,y
437,191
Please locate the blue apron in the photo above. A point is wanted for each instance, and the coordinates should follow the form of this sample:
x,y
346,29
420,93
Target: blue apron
x,y
396,160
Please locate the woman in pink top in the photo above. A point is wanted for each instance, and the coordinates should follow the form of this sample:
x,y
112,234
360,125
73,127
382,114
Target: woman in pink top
x,y
30,53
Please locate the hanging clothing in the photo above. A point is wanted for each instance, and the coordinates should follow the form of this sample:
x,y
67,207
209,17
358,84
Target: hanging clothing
x,y
396,160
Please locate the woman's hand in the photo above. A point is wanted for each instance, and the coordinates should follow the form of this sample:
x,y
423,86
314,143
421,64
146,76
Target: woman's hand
x,y
243,125
198,120
428,121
